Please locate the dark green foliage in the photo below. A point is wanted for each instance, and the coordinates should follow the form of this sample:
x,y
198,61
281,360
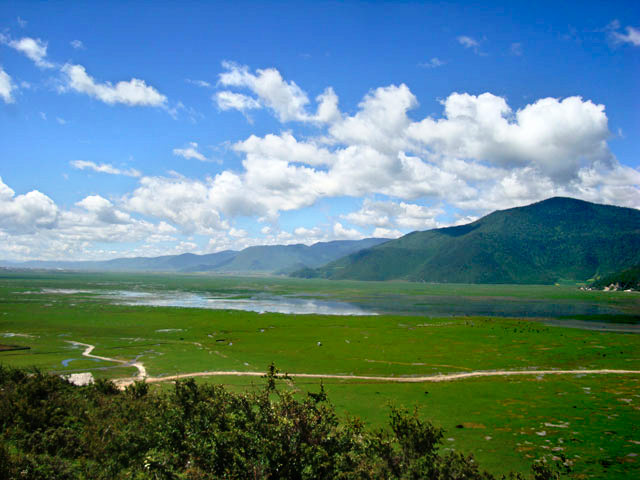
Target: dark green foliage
x,y
53,430
560,239
628,279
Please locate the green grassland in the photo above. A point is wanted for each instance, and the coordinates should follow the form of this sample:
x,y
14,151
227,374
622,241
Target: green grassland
x,y
507,422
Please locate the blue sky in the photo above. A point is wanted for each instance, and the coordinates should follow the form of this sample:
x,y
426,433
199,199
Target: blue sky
x,y
167,127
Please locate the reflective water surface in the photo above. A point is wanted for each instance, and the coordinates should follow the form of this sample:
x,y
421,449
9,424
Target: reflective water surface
x,y
583,315
259,303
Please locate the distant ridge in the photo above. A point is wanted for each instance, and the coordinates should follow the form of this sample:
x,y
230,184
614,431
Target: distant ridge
x,y
559,239
272,259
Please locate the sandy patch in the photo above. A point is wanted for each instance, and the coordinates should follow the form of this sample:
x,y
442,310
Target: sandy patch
x,y
80,379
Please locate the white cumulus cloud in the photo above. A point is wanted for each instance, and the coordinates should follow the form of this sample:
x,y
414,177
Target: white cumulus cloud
x,y
286,146
286,99
555,136
381,121
387,214
34,48
380,232
227,100
478,156
33,226
183,202
134,92
25,213
342,233
104,210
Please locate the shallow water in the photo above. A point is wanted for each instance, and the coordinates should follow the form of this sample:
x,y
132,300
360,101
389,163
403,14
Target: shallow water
x,y
561,313
67,361
260,304
447,306
592,325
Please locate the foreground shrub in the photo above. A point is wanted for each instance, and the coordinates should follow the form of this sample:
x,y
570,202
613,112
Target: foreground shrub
x,y
54,430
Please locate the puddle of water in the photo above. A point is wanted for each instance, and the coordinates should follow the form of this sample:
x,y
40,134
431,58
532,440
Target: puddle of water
x,y
62,291
132,294
66,362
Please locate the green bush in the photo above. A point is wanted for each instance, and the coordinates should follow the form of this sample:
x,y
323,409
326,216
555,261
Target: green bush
x,y
54,430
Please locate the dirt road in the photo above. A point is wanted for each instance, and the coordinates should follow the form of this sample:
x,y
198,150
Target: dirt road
x,y
123,382
142,373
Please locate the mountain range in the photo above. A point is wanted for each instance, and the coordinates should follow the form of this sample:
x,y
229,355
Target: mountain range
x,y
272,259
556,240
559,239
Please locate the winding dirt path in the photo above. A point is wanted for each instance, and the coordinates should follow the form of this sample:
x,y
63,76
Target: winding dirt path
x,y
142,373
123,382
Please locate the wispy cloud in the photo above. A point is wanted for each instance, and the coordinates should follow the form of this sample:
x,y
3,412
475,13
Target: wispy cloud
x,y
467,42
435,62
104,168
6,87
470,43
199,83
190,152
77,44
632,36
516,49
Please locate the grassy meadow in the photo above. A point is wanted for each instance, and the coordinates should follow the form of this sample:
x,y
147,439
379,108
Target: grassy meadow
x,y
422,329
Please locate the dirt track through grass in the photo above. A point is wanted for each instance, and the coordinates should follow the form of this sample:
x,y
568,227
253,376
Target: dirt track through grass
x,y
431,378
124,382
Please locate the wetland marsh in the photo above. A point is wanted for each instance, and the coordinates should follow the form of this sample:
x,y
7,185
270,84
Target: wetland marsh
x,y
590,420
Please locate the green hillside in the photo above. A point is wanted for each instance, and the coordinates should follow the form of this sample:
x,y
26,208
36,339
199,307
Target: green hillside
x,y
559,239
628,279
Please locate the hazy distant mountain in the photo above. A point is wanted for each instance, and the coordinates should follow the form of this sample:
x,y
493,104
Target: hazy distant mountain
x,y
263,259
553,240
287,258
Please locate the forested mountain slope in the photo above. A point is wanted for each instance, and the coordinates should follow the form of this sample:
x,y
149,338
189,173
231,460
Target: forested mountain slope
x,y
553,240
